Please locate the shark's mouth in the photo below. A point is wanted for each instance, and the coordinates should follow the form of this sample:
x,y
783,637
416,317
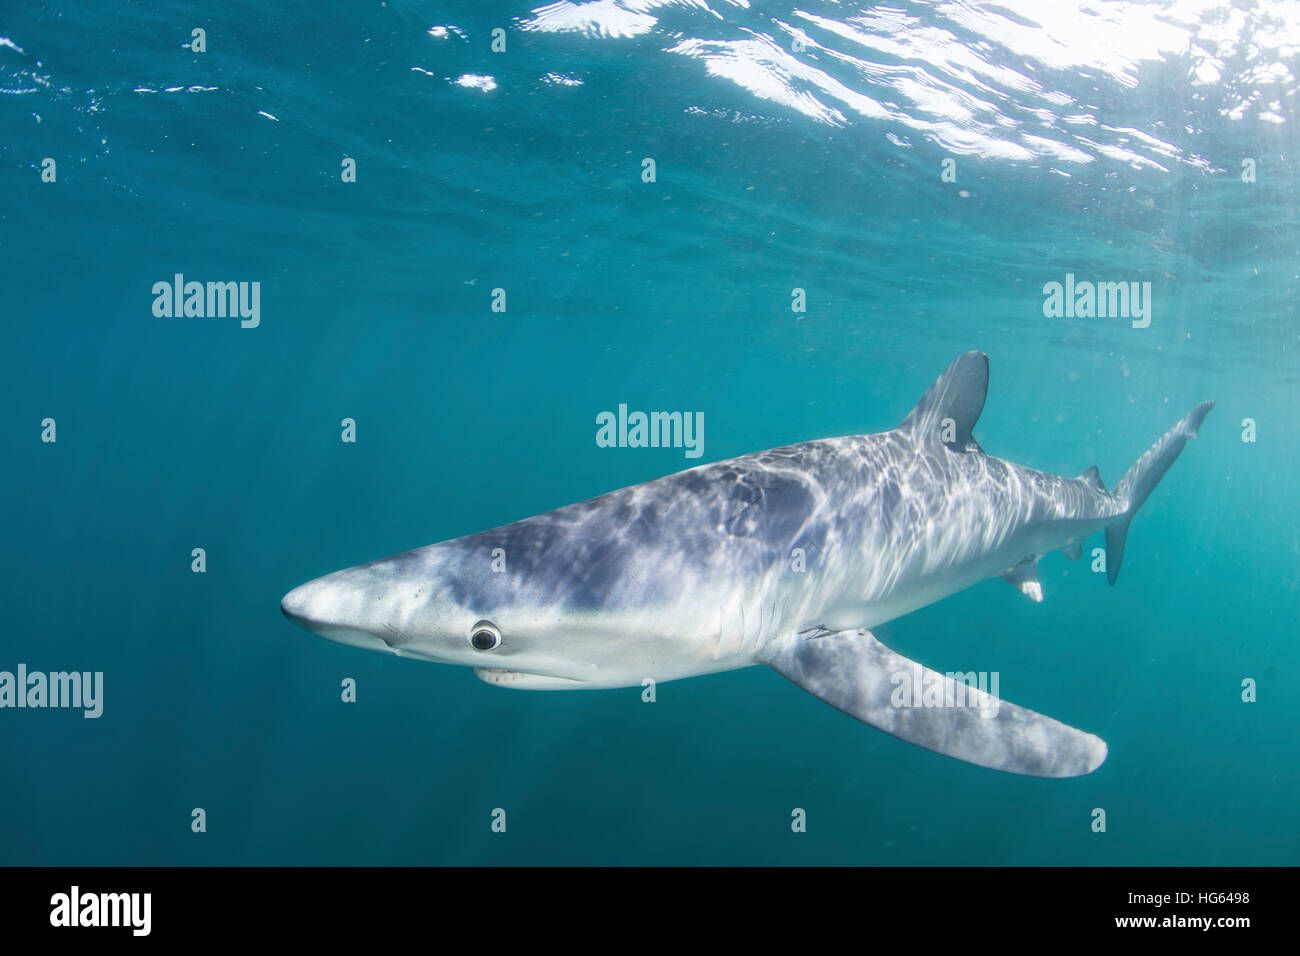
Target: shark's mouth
x,y
521,680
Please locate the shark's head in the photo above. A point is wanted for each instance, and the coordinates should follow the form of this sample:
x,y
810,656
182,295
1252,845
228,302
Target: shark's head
x,y
532,605
435,605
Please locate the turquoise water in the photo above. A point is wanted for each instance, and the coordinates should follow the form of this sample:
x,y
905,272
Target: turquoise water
x,y
1105,145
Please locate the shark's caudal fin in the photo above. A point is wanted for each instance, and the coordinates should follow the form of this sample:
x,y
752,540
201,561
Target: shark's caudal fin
x,y
1145,474
855,673
952,406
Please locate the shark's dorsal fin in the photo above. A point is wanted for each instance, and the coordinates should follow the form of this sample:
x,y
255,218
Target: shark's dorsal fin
x,y
952,406
1093,477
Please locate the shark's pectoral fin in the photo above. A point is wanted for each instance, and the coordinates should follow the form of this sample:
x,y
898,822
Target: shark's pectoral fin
x,y
855,673
1024,578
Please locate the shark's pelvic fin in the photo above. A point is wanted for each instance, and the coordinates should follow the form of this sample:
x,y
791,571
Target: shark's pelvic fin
x,y
1145,474
952,406
1024,578
855,673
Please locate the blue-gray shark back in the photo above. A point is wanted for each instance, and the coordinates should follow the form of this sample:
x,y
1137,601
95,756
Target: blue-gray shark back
x,y
783,557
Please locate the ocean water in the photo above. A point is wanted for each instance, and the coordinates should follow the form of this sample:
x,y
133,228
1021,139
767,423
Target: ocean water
x,y
921,171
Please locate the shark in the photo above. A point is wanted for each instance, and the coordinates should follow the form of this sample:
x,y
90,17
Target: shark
x,y
785,558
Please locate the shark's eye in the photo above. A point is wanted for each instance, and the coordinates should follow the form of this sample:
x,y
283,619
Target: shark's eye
x,y
485,636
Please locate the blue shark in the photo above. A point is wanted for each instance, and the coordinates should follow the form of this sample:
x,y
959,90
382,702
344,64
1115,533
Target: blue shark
x,y
784,558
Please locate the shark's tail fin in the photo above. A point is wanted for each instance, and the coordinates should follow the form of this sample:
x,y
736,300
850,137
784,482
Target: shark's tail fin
x,y
1145,474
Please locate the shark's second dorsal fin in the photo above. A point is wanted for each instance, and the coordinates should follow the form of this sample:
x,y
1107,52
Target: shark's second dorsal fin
x,y
1093,477
952,406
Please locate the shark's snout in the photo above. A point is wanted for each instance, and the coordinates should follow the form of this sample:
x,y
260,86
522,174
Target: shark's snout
x,y
294,606
321,606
